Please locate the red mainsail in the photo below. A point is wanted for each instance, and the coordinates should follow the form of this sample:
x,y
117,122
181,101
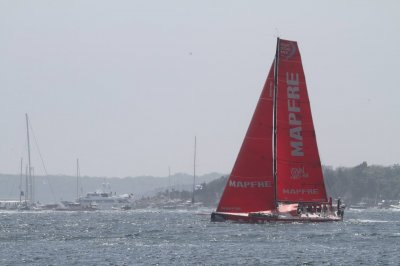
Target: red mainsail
x,y
299,173
250,187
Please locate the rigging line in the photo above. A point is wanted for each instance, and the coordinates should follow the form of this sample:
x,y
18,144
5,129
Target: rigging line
x,y
328,184
24,148
43,165
37,146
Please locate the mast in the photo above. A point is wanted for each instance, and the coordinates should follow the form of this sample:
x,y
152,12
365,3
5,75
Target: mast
x,y
26,184
33,185
169,183
169,177
20,183
194,170
77,178
276,62
29,161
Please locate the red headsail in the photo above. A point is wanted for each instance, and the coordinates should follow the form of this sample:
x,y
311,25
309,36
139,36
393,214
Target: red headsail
x,y
299,172
250,187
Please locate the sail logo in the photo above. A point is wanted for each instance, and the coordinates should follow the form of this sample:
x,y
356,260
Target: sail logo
x,y
287,49
298,172
295,131
300,191
248,184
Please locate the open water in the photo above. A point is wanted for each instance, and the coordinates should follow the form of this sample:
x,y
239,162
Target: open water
x,y
144,237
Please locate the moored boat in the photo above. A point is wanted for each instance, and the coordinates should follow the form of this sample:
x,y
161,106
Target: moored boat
x,y
9,204
74,206
105,200
359,206
395,206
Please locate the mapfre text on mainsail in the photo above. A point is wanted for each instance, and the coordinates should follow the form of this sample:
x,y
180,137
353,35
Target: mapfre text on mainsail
x,y
296,136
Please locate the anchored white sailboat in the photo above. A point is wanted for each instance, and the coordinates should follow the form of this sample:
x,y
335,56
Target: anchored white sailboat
x,y
29,194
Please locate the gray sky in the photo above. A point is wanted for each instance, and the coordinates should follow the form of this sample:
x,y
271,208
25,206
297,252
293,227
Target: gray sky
x,y
126,85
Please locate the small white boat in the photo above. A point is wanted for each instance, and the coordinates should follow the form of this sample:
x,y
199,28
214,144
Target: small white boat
x,y
105,200
9,204
359,206
395,206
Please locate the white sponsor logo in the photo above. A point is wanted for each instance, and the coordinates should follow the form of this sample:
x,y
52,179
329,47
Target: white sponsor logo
x,y
302,191
248,184
287,49
297,173
296,136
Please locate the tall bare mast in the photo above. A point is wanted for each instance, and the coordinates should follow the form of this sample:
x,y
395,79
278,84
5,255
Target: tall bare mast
x,y
31,198
169,178
194,170
26,184
33,182
77,178
169,183
20,182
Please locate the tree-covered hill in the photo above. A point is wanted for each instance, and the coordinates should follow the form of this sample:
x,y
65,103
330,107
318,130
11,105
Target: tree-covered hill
x,y
368,183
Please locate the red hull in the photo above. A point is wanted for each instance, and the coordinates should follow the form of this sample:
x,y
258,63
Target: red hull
x,y
243,218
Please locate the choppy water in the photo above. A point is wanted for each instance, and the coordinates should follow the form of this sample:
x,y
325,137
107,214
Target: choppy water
x,y
370,237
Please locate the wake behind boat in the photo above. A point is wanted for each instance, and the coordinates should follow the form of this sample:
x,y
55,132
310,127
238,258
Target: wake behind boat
x,y
277,176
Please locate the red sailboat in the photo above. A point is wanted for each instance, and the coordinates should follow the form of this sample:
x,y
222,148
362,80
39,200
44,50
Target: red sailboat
x,y
277,175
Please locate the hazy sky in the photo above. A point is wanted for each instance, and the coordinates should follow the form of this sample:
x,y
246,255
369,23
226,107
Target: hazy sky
x,y
126,85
